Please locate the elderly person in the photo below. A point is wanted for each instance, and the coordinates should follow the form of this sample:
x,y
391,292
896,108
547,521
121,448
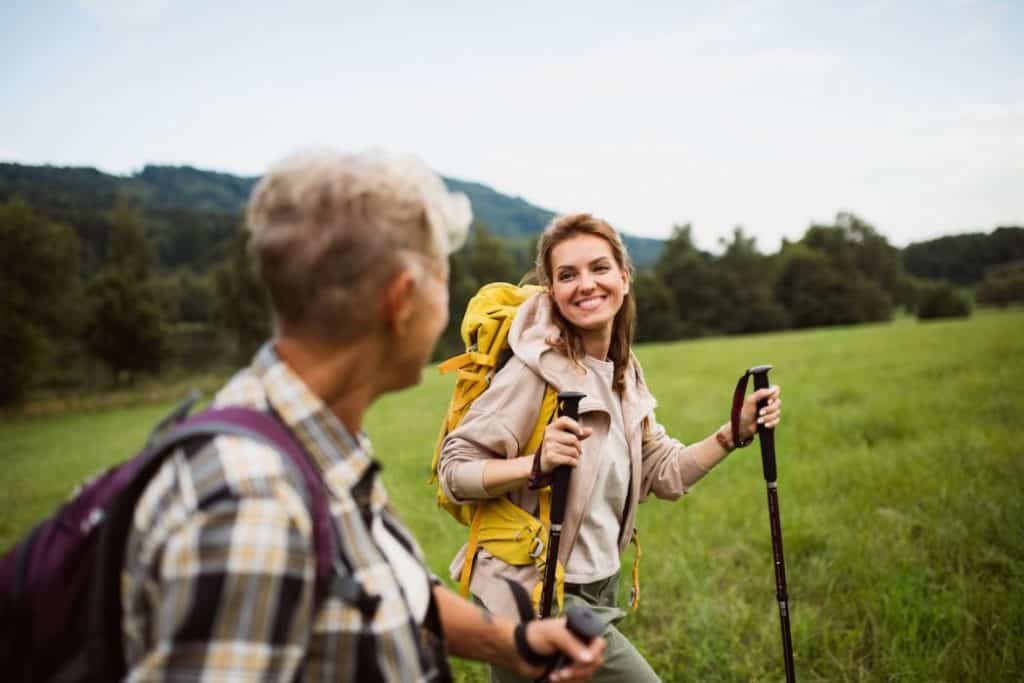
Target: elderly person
x,y
219,579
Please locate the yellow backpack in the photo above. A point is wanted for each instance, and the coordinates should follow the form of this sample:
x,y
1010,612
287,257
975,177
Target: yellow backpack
x,y
506,530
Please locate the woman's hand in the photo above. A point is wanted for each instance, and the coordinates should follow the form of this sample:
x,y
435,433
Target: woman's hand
x,y
549,636
769,416
561,444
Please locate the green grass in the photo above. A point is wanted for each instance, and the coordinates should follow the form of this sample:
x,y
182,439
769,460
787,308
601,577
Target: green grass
x,y
900,482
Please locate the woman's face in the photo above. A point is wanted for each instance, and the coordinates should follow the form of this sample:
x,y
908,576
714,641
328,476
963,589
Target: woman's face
x,y
587,284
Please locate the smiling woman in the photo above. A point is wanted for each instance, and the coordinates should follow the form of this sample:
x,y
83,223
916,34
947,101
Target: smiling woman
x,y
577,336
591,292
587,269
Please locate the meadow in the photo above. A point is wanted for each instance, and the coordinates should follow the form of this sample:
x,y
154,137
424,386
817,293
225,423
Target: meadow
x,y
900,486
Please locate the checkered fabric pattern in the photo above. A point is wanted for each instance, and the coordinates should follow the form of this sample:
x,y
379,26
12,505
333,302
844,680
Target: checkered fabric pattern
x,y
219,580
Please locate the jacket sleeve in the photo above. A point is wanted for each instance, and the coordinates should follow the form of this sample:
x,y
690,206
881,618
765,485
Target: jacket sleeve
x,y
497,425
669,467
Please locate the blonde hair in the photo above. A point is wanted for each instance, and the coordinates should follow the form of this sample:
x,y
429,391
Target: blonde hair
x,y
570,341
328,230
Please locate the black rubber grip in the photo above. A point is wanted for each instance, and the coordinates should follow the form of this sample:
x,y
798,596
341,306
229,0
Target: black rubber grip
x,y
583,623
766,435
569,406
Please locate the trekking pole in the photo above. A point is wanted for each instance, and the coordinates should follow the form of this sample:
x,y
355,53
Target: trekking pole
x,y
568,405
767,438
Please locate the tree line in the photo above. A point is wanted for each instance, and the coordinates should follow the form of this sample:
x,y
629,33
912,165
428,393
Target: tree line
x,y
95,298
80,316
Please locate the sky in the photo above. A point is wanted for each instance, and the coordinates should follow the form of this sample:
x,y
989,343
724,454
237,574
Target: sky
x,y
766,114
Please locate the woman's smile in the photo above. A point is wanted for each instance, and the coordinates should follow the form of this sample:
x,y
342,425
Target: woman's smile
x,y
592,302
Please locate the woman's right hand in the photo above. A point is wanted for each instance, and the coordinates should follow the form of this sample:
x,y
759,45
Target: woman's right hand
x,y
561,444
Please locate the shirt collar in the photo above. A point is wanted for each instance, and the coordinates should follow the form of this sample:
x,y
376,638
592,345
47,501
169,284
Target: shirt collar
x,y
343,457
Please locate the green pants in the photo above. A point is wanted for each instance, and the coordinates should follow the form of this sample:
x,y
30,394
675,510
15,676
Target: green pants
x,y
622,662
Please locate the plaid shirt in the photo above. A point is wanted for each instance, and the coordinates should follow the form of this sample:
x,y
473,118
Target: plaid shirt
x,y
219,579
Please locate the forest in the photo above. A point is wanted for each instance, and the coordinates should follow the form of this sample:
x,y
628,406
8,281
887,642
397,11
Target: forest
x,y
105,278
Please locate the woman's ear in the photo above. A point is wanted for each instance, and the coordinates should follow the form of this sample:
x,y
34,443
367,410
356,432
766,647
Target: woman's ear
x,y
399,302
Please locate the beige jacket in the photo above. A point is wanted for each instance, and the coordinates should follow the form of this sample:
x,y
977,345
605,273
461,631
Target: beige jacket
x,y
502,419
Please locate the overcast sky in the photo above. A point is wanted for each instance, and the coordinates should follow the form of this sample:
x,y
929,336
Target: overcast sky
x,y
767,114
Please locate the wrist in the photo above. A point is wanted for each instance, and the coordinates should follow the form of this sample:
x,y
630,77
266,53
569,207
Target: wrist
x,y
734,435
537,478
528,467
500,643
525,650
724,438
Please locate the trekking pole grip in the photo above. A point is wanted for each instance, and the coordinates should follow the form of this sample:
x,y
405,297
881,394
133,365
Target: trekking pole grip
x,y
583,623
766,434
569,406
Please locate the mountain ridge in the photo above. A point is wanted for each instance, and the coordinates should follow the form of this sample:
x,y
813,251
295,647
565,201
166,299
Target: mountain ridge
x,y
162,188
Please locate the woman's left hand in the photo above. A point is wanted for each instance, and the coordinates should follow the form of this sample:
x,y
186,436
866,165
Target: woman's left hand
x,y
769,416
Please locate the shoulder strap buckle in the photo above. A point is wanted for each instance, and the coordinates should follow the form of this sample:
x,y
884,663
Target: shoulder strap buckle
x,y
537,547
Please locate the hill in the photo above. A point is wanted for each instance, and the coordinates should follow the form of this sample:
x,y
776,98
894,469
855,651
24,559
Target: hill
x,y
179,198
515,218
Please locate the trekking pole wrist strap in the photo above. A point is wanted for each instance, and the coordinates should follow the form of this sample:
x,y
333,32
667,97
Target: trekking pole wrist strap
x,y
538,479
529,655
734,418
724,438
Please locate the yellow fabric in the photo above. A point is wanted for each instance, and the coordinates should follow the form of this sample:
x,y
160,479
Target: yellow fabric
x,y
548,407
472,377
634,596
454,363
484,330
471,547
559,589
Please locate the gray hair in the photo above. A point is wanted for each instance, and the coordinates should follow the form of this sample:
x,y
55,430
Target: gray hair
x,y
328,230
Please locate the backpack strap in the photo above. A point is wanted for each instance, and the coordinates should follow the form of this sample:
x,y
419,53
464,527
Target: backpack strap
x,y
265,427
634,591
472,545
106,652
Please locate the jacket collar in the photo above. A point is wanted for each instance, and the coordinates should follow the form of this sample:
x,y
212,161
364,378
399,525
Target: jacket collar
x,y
528,335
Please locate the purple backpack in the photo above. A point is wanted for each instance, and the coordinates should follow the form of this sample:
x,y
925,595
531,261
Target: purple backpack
x,y
60,601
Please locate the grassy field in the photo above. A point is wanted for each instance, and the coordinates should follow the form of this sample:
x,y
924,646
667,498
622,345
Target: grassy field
x,y
900,491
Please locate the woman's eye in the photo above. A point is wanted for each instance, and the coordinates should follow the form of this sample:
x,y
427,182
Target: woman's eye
x,y
563,277
601,268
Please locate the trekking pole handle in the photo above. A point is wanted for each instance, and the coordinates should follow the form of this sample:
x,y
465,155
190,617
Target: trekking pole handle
x,y
583,623
766,434
569,406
